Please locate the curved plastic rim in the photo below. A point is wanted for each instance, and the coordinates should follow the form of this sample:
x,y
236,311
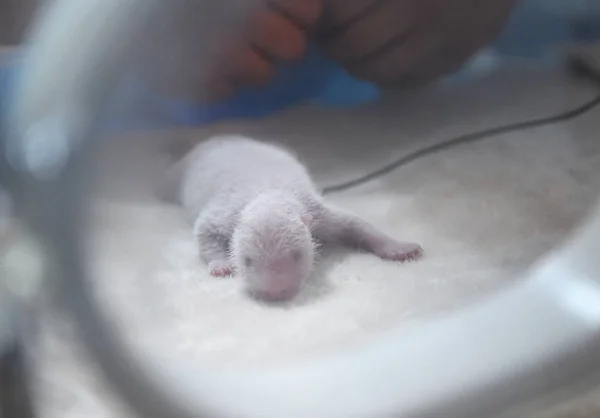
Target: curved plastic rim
x,y
538,338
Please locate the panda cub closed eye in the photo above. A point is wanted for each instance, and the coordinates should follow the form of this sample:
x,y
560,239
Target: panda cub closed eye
x,y
297,255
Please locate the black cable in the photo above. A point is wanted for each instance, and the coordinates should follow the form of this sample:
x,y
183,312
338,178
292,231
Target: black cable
x,y
578,66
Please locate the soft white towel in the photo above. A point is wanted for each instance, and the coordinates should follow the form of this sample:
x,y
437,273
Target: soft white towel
x,y
483,212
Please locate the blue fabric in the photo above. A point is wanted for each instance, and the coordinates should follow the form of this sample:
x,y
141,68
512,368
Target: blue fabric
x,y
313,79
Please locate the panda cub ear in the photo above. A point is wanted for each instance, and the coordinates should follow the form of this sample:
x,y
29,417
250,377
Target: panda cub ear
x,y
307,219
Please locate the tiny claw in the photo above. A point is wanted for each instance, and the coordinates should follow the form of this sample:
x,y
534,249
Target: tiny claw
x,y
220,269
401,252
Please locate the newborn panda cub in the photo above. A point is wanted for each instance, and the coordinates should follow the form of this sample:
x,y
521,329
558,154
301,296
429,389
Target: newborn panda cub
x,y
257,214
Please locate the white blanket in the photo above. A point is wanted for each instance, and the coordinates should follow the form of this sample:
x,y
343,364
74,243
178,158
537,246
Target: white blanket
x,y
483,212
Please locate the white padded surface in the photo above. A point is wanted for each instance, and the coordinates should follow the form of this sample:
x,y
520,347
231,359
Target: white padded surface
x,y
483,212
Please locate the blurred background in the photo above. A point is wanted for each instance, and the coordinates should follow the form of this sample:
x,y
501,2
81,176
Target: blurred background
x,y
536,28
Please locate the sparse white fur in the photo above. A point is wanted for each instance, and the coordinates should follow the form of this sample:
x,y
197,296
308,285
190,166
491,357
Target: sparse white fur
x,y
257,213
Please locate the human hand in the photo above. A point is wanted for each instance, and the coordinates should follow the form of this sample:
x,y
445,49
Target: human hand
x,y
405,43
277,33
